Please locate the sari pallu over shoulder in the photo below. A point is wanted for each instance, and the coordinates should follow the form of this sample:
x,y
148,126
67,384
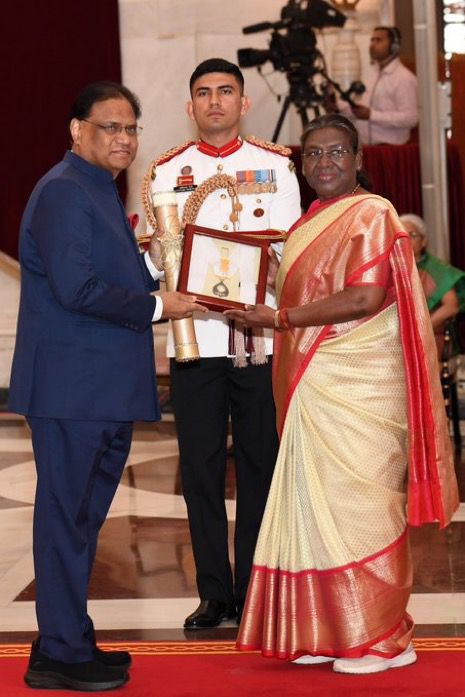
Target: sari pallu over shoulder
x,y
325,252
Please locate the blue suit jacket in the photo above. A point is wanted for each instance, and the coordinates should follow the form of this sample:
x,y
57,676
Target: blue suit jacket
x,y
84,346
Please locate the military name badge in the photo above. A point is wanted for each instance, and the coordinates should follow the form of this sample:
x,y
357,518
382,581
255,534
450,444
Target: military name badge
x,y
256,181
185,181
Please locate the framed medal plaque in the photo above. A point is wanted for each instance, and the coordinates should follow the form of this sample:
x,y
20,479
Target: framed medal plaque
x,y
224,270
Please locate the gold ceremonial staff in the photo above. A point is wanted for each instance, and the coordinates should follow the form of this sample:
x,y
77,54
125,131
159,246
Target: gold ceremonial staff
x,y
171,239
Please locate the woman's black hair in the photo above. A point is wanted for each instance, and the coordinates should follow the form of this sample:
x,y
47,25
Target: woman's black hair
x,y
344,124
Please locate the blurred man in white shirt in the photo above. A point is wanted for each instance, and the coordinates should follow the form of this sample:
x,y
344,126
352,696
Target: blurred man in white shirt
x,y
388,109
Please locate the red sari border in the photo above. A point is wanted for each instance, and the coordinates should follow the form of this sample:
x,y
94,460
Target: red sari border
x,y
290,614
293,385
337,569
357,652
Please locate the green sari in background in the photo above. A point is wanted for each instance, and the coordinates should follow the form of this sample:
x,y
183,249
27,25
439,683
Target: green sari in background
x,y
438,278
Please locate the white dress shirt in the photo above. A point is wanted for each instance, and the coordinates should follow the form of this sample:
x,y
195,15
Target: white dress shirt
x,y
156,275
391,95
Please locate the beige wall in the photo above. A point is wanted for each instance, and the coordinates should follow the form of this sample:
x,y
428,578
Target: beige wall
x,y
163,40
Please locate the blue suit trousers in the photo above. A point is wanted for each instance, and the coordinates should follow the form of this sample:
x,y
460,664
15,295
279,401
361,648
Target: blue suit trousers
x,y
79,465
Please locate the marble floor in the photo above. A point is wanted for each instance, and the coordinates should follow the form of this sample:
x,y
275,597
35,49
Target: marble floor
x,y
143,584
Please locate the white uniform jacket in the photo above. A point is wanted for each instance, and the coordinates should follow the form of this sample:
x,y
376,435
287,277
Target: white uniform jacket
x,y
278,208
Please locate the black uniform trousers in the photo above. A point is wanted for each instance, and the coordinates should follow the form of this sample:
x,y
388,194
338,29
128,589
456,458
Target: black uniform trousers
x,y
204,394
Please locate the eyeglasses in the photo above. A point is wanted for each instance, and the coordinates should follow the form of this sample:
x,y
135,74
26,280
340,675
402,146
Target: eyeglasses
x,y
113,129
335,154
414,235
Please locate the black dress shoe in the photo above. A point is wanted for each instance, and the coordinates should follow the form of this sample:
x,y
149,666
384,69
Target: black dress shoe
x,y
210,613
117,659
44,673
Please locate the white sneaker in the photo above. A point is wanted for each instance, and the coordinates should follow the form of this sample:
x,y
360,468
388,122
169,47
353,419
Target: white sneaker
x,y
374,664
313,660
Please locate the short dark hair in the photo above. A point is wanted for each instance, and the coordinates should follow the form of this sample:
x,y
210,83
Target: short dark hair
x,y
346,126
216,65
395,37
100,92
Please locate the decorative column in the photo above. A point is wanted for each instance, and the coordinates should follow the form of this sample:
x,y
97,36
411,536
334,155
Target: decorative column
x,y
387,12
345,60
431,129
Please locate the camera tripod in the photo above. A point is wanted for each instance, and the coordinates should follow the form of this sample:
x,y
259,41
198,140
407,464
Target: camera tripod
x,y
301,108
304,94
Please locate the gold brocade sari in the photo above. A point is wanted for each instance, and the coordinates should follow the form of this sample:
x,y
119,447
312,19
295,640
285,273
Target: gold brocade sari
x,y
332,572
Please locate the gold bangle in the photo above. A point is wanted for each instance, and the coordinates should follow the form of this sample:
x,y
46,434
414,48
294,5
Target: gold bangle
x,y
277,325
283,319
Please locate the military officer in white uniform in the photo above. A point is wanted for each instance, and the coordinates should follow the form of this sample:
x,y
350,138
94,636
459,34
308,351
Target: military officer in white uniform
x,y
207,392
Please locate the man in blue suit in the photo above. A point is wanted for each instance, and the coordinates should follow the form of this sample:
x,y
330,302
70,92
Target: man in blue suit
x,y
83,371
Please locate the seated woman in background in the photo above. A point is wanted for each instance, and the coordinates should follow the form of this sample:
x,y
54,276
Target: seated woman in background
x,y
443,284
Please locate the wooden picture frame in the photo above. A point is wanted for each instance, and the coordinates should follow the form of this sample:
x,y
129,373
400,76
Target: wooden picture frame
x,y
225,270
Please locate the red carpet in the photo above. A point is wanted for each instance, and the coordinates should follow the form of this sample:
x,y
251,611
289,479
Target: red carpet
x,y
215,669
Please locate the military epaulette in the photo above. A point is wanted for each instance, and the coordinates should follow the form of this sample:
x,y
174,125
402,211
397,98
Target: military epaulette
x,y
151,174
268,145
167,156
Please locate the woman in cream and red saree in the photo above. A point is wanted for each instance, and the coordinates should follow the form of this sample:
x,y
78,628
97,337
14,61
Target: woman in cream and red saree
x,y
364,445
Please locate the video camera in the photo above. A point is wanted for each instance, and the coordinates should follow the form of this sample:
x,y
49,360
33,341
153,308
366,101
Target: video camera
x,y
292,49
297,46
